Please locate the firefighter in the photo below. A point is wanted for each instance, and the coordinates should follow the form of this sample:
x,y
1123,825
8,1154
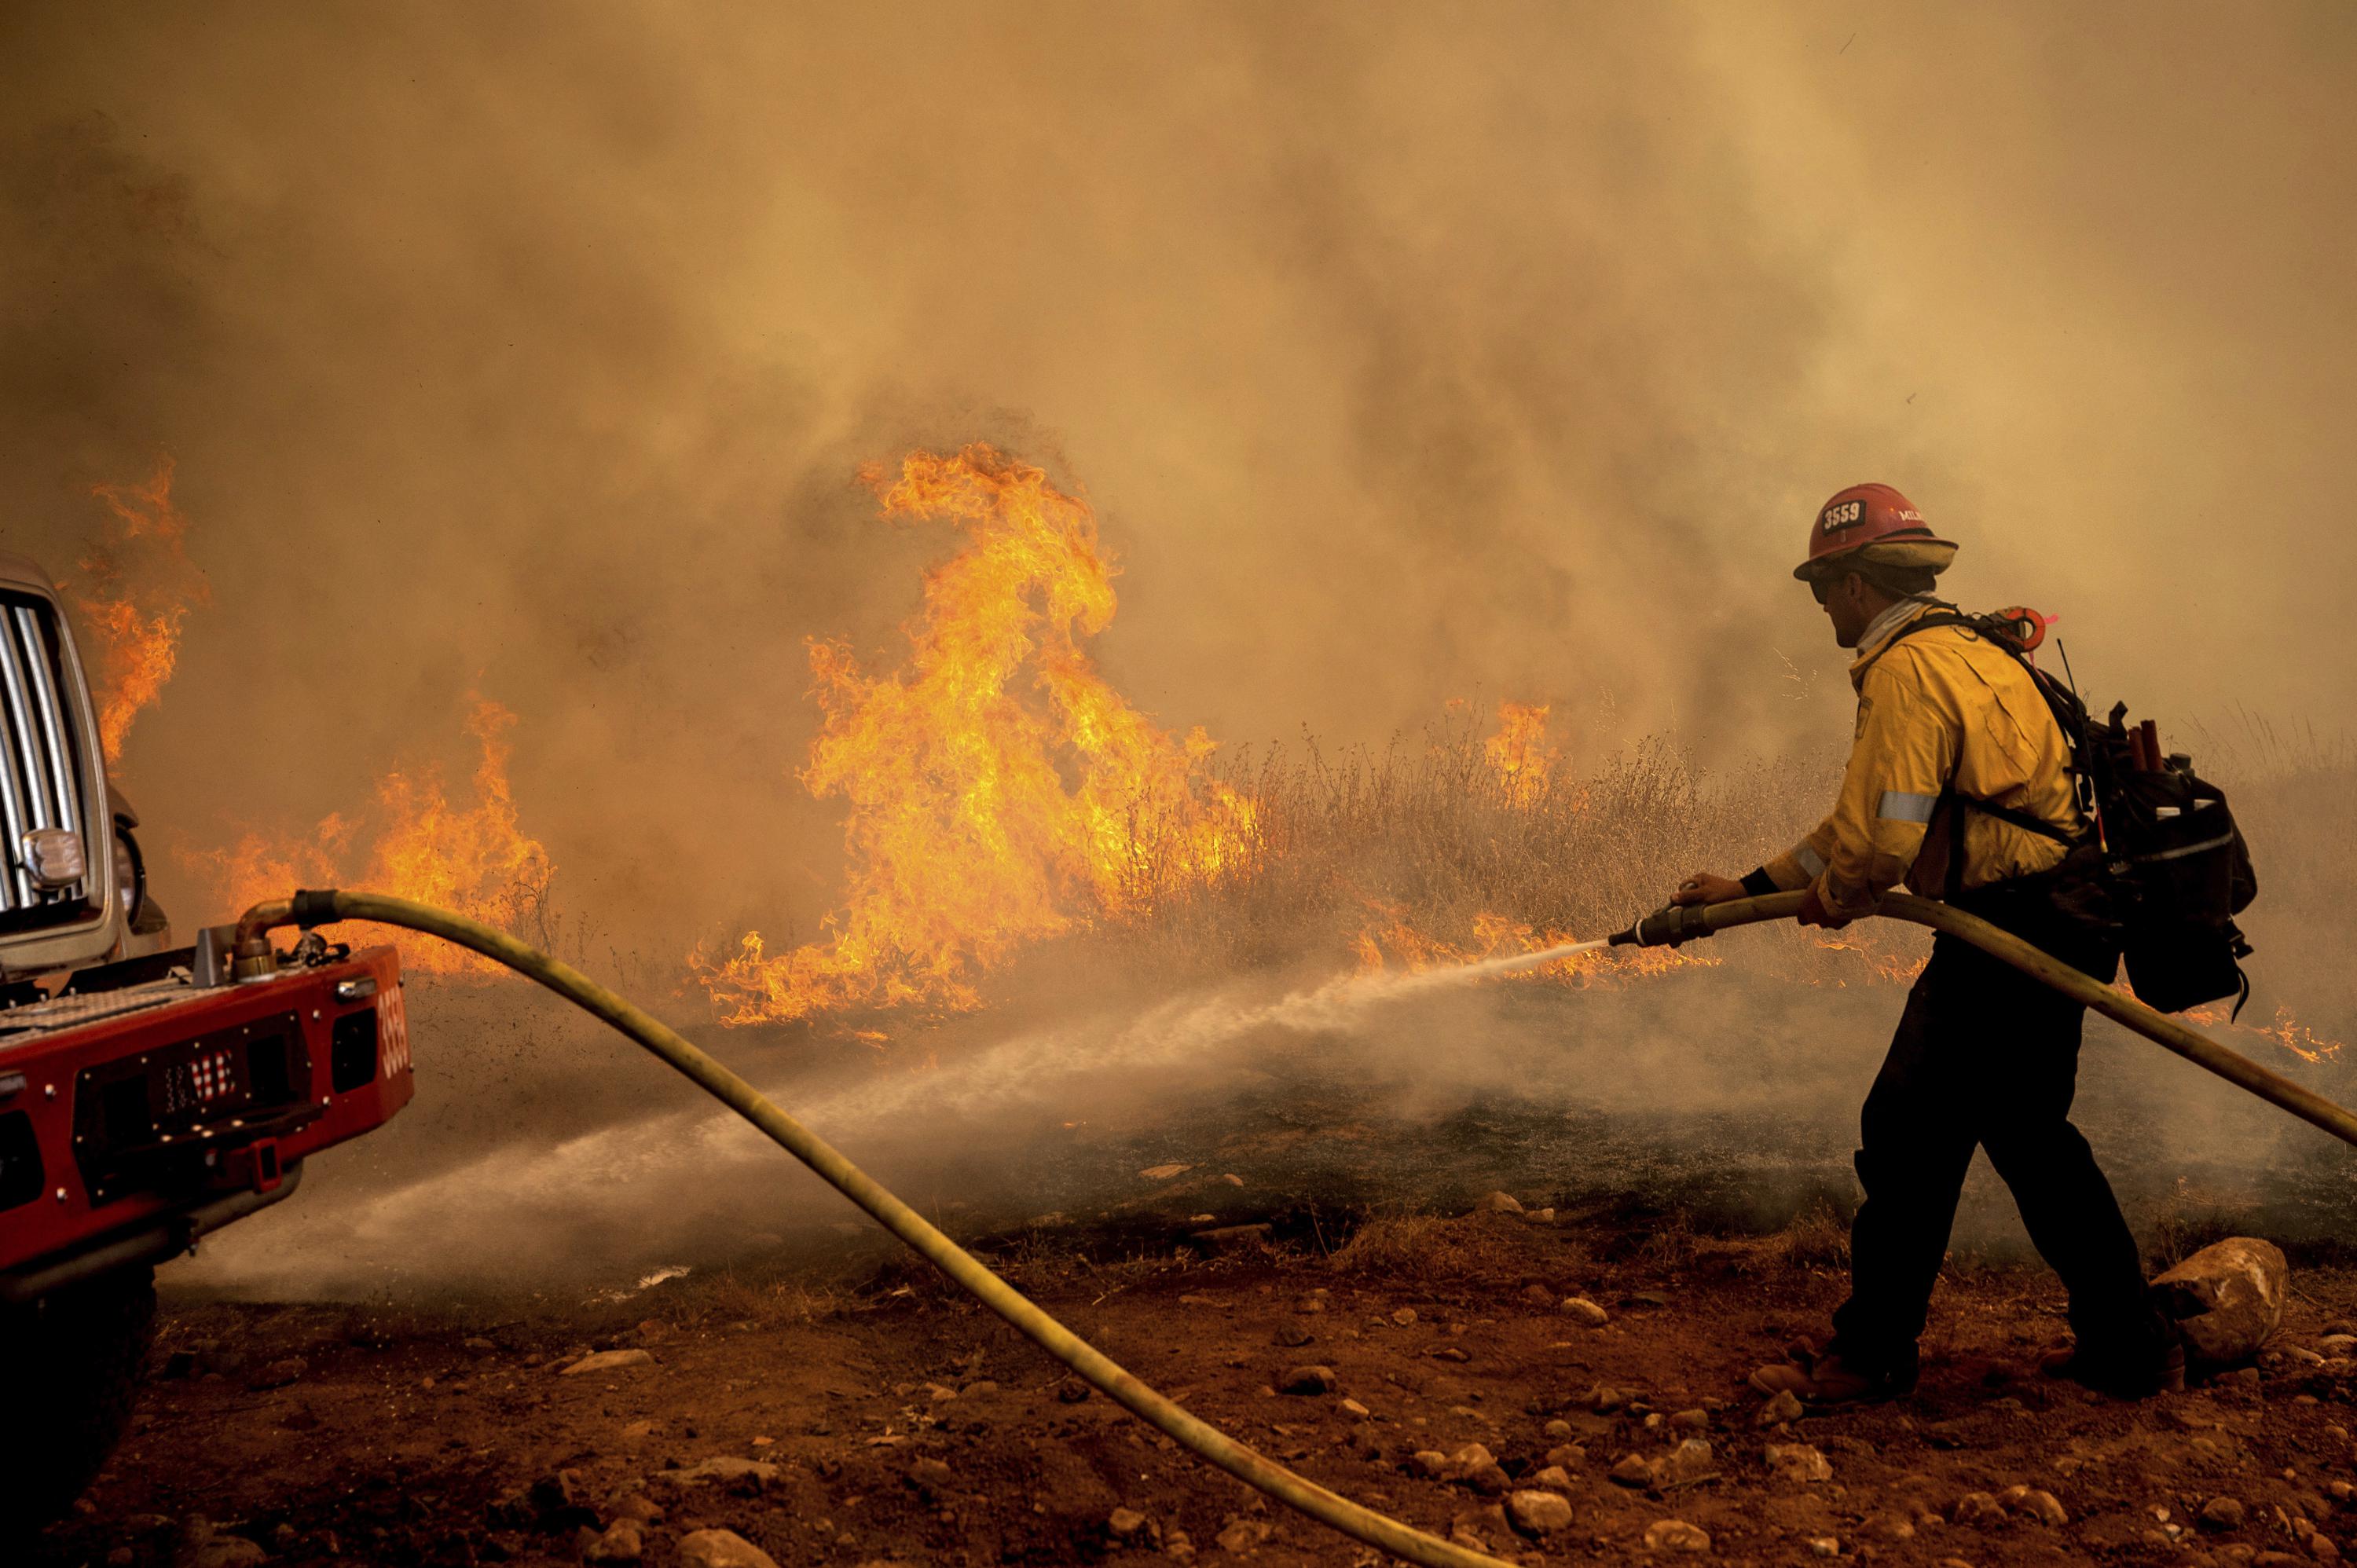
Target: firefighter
x,y
1959,784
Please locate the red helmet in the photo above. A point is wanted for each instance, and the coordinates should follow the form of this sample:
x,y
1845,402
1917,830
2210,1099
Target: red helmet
x,y
1878,519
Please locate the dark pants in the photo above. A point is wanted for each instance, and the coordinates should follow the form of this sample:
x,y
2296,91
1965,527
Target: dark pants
x,y
1985,1055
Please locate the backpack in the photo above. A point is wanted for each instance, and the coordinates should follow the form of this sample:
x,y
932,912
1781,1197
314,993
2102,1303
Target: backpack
x,y
2159,868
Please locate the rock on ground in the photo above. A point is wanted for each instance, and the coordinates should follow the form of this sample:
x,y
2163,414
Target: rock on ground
x,y
2043,1507
2222,1513
1474,1466
1582,1310
202,1547
1688,1461
2229,1297
1535,1513
1633,1470
1676,1535
1307,1381
1241,1535
723,1469
721,1549
1798,1462
606,1361
1232,1238
624,1541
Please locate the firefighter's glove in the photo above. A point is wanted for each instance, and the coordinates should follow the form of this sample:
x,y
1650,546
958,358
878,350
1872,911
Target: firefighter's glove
x,y
1703,887
1814,913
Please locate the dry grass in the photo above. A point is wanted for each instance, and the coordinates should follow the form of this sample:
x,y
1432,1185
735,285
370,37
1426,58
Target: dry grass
x,y
1432,837
1429,1250
1817,1239
737,1296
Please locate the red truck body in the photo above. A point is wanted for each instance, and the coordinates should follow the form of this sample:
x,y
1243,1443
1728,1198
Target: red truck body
x,y
148,1097
132,1120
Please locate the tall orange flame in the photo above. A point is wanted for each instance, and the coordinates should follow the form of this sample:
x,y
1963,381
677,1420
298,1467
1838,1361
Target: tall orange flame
x,y
136,588
1518,751
414,842
1000,792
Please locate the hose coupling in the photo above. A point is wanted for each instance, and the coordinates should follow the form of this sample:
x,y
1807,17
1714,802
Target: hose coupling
x,y
1667,926
252,957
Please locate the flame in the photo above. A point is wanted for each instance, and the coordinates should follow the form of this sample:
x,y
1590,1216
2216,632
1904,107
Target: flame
x,y
1881,965
1000,792
1518,751
2287,1031
137,589
414,843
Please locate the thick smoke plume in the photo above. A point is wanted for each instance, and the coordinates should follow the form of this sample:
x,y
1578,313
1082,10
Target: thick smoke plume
x,y
1403,358
532,352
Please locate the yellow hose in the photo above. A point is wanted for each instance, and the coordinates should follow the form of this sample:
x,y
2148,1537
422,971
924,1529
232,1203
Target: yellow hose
x,y
2109,1000
1254,1470
253,959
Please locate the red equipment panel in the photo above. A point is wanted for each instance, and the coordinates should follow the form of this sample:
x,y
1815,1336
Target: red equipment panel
x,y
177,1097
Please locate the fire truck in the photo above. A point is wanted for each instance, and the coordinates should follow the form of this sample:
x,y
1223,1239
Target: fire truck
x,y
148,1096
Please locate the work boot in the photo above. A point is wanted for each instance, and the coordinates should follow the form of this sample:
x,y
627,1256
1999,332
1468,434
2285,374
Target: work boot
x,y
1826,1382
2161,1373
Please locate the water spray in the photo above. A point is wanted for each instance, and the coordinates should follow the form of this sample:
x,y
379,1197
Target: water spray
x,y
1100,1371
1666,927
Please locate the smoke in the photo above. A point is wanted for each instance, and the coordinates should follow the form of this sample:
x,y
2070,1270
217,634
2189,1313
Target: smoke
x,y
553,1162
1405,355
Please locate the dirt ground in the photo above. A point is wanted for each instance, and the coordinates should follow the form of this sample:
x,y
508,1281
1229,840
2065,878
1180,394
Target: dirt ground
x,y
887,1419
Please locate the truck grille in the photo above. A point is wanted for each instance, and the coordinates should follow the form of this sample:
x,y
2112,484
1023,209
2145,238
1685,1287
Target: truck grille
x,y
40,783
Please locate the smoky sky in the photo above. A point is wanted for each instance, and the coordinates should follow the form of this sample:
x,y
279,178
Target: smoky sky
x,y
1407,352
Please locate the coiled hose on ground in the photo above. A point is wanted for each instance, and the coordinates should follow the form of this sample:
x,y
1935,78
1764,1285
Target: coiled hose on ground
x,y
253,959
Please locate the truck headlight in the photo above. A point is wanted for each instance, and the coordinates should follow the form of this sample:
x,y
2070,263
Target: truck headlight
x,y
54,857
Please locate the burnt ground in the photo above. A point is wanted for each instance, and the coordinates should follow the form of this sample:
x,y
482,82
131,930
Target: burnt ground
x,y
906,1425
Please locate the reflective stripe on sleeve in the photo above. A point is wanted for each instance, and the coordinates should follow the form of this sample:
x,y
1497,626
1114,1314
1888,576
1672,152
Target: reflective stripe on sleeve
x,y
1810,861
1899,806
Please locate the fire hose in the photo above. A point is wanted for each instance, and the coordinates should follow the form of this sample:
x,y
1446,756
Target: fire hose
x,y
1670,927
253,959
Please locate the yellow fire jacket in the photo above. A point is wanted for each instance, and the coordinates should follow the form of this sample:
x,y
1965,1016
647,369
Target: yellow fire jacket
x,y
1943,706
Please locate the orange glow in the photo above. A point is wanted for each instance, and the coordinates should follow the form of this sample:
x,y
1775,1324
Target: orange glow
x,y
1000,792
414,843
2287,1031
1518,751
136,588
1880,964
1389,940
